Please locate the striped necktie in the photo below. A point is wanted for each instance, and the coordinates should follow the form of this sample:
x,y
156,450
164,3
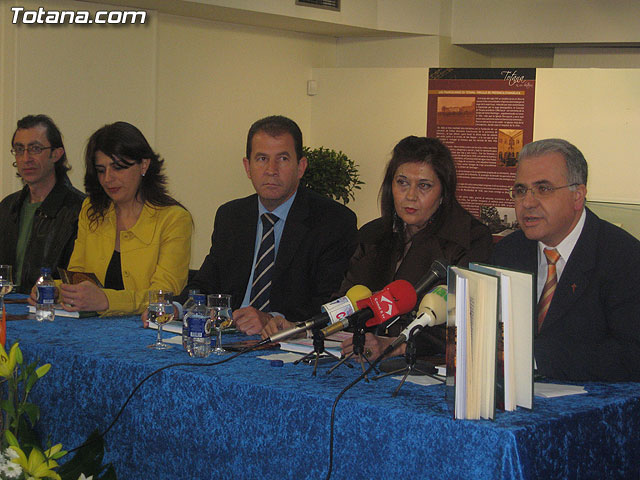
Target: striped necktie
x,y
261,287
550,285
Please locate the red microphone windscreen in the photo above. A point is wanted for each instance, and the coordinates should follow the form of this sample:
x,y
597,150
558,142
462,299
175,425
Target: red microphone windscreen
x,y
397,298
404,295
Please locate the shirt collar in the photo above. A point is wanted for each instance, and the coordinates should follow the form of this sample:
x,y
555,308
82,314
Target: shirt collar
x,y
565,247
281,211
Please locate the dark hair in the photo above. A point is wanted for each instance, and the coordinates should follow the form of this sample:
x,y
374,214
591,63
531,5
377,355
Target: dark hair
x,y
274,126
577,169
126,145
420,150
53,136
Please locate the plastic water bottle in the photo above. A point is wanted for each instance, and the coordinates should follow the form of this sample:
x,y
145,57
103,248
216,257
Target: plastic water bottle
x,y
46,296
198,325
185,329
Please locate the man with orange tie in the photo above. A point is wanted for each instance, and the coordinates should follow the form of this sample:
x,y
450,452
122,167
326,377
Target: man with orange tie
x,y
587,320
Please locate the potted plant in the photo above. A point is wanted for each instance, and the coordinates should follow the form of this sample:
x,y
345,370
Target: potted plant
x,y
331,173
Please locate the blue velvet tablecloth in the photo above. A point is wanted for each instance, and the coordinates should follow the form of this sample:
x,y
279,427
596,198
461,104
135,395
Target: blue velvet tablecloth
x,y
247,419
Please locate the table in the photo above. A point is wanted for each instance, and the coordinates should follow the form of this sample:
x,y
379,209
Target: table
x,y
247,419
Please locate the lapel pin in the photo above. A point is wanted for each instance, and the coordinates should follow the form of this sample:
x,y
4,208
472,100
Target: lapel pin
x,y
573,287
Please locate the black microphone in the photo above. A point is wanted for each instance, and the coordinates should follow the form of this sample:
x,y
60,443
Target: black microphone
x,y
436,274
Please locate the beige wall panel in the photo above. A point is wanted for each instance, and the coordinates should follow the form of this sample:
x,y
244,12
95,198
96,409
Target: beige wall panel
x,y
364,112
597,57
545,21
214,81
599,112
388,52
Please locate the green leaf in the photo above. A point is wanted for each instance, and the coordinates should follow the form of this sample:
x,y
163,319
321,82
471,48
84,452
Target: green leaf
x,y
60,454
7,406
32,411
11,439
331,174
42,370
18,356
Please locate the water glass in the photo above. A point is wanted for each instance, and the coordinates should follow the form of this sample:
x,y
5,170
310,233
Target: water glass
x,y
161,311
219,305
6,284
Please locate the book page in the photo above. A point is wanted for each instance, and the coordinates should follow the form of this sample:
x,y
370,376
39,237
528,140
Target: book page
x,y
461,297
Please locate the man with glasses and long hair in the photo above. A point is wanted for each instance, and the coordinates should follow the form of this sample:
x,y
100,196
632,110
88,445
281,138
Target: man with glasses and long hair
x,y
38,224
587,319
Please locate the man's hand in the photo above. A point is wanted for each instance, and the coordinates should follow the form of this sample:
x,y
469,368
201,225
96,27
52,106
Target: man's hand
x,y
83,297
373,346
250,321
145,318
275,325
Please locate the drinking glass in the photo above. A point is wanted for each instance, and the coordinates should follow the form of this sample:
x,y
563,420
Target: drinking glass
x,y
219,305
161,311
6,284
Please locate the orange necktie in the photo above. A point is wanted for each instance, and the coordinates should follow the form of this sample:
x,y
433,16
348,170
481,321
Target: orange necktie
x,y
550,285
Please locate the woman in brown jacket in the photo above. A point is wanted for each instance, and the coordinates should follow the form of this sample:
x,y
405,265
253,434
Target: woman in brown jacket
x,y
421,221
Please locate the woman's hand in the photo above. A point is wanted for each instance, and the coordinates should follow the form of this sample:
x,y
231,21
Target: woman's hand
x,y
373,346
83,297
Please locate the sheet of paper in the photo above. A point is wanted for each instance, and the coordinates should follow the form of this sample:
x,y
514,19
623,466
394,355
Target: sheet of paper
x,y
285,357
420,380
175,339
550,390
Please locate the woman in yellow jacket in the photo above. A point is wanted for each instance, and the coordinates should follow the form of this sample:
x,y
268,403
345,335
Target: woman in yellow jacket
x,y
131,233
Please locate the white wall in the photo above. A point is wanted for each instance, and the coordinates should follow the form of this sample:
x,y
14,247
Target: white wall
x,y
364,112
522,22
214,81
598,110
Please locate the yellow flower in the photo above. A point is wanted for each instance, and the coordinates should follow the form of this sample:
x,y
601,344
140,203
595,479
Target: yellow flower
x,y
36,466
8,362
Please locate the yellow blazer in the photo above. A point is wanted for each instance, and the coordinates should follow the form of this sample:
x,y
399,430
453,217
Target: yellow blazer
x,y
154,254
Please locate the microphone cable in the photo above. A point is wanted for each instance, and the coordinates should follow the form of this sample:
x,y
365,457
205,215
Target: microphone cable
x,y
335,404
171,365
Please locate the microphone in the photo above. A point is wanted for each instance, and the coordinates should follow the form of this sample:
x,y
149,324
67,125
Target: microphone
x,y
437,274
331,312
397,298
434,304
432,311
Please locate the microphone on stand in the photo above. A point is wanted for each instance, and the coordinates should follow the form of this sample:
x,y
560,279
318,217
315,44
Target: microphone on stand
x,y
333,311
432,311
437,274
397,298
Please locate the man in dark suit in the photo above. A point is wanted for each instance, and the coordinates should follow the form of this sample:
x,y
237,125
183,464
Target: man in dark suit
x,y
313,236
588,270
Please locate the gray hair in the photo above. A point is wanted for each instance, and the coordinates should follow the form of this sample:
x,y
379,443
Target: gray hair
x,y
577,169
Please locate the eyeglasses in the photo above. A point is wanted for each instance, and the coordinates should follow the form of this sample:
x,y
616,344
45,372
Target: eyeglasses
x,y
32,149
543,190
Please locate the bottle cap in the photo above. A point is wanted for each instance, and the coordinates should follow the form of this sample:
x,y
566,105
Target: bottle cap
x,y
45,271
